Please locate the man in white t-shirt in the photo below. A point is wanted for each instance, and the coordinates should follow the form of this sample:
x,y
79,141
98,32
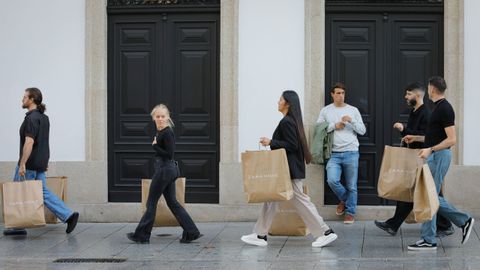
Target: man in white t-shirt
x,y
346,122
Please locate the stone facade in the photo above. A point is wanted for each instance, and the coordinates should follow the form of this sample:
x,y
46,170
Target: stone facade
x,y
88,187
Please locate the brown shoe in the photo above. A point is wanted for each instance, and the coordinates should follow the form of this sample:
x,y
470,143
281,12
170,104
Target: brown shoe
x,y
340,209
349,219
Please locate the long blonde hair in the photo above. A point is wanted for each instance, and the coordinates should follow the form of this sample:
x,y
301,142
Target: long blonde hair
x,y
163,106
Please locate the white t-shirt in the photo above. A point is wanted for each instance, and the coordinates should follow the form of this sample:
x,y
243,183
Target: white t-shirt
x,y
344,139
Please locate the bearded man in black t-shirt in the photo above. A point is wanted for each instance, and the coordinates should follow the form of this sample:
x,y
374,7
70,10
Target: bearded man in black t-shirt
x,y
439,137
416,125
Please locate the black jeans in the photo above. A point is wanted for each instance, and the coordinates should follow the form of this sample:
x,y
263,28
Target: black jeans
x,y
402,211
163,182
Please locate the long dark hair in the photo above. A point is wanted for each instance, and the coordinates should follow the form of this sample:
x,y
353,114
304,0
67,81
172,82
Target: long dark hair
x,y
37,97
295,111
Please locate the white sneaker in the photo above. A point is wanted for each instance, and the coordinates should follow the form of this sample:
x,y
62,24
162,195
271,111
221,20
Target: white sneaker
x,y
253,239
325,239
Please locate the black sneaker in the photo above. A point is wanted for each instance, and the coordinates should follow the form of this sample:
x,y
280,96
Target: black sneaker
x,y
187,238
72,222
384,226
447,232
422,245
467,229
14,232
136,239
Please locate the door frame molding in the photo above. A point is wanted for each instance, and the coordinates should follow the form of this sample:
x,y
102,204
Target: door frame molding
x,y
96,93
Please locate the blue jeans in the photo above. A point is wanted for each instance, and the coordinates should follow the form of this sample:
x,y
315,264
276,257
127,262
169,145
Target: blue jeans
x,y
439,162
348,163
51,201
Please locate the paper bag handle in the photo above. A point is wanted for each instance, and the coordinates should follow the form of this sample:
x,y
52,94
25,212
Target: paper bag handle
x,y
401,143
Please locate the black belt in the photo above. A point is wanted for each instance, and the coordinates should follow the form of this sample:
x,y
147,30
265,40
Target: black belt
x,y
166,161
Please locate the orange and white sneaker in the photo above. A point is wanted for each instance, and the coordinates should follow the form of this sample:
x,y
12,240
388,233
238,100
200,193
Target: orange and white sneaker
x,y
349,219
340,209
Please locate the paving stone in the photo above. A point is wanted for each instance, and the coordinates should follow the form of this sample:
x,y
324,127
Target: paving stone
x,y
82,241
299,265
427,264
349,231
381,265
382,247
337,265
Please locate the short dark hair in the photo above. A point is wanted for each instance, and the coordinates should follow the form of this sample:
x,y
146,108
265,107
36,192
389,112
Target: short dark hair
x,y
439,83
337,85
416,86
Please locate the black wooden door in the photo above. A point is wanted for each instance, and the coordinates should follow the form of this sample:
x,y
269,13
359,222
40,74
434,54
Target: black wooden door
x,y
378,49
171,56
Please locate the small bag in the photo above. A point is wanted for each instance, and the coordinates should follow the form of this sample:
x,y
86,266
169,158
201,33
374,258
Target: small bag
x,y
398,173
163,216
287,222
58,186
23,204
425,196
411,217
266,176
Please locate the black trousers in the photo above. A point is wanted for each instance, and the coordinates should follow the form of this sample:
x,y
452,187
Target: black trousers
x,y
402,211
163,182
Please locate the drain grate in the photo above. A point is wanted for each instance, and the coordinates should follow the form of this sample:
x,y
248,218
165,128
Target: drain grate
x,y
89,260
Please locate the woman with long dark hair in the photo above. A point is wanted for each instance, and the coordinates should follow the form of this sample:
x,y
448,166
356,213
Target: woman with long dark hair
x,y
163,183
290,135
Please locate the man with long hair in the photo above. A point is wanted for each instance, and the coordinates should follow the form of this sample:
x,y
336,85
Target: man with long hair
x,y
34,156
345,122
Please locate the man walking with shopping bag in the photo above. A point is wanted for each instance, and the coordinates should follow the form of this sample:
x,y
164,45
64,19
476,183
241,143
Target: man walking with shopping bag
x,y
34,156
346,122
416,125
439,137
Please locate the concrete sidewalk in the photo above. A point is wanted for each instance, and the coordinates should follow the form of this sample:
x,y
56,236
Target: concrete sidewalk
x,y
359,246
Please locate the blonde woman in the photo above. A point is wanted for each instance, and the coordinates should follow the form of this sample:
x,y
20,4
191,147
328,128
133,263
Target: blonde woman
x,y
163,182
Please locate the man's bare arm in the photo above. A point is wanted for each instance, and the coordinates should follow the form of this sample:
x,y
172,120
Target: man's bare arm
x,y
27,151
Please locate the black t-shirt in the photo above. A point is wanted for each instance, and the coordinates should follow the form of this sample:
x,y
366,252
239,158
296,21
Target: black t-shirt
x,y
165,146
416,125
443,116
36,126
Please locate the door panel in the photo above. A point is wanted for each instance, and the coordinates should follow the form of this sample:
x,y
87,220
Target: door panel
x,y
417,54
168,57
195,79
376,54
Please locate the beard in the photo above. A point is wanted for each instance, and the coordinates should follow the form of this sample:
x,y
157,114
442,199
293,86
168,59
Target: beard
x,y
24,106
412,102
